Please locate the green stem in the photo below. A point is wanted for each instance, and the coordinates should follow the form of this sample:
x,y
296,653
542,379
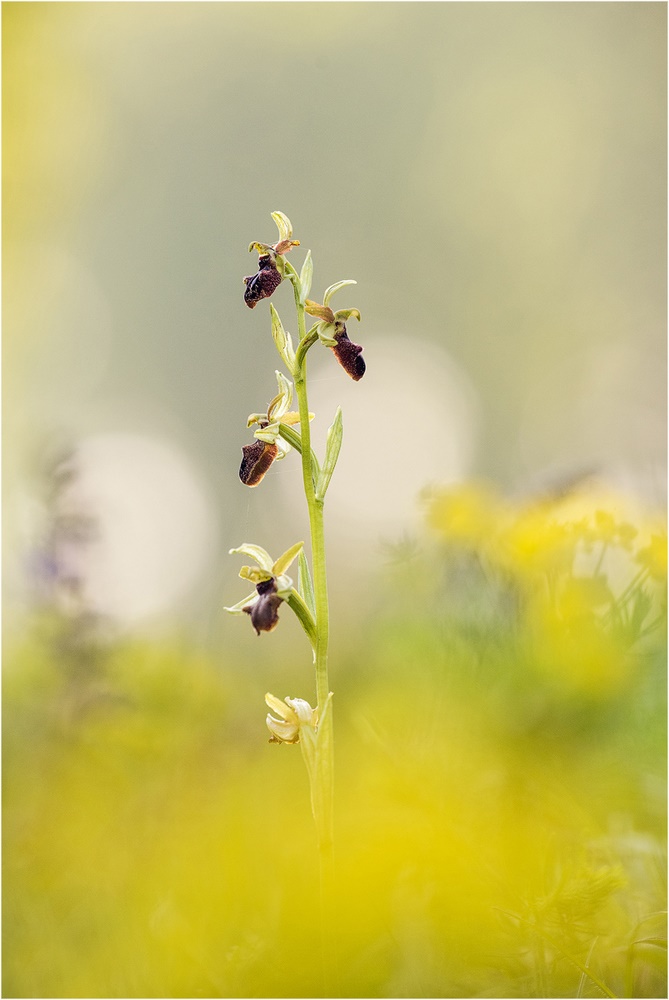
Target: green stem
x,y
290,435
624,597
605,546
583,968
315,508
322,777
321,771
324,772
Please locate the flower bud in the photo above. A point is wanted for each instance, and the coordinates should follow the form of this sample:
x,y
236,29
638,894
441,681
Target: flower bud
x,y
295,714
307,716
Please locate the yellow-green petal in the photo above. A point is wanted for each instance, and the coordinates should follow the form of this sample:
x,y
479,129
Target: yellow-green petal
x,y
283,224
254,574
284,561
329,292
281,708
255,552
238,608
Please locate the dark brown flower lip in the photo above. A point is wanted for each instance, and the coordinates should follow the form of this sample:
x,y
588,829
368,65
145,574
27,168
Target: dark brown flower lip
x,y
256,460
264,283
348,354
265,611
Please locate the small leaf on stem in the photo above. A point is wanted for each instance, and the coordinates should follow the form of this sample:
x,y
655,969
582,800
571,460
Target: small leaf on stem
x,y
306,275
332,448
282,341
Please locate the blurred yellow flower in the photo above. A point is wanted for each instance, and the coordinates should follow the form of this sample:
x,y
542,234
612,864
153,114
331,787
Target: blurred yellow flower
x,y
536,542
567,645
654,557
467,515
606,525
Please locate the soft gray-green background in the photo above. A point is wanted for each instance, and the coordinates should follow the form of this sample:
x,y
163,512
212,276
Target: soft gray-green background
x,y
493,175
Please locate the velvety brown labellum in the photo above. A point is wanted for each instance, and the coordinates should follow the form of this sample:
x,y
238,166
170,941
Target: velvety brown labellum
x,y
256,460
263,284
264,613
348,354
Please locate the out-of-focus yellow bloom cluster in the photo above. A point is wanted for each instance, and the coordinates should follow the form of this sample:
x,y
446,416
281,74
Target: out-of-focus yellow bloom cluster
x,y
587,583
500,802
541,535
654,557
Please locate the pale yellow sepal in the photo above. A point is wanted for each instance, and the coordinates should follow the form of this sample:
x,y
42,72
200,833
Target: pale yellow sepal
x,y
283,224
284,561
257,553
238,608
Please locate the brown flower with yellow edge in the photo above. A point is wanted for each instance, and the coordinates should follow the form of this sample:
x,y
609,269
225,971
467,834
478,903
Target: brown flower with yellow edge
x,y
269,445
270,263
272,585
332,332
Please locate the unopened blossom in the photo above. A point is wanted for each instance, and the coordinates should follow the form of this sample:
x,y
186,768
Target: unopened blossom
x,y
294,714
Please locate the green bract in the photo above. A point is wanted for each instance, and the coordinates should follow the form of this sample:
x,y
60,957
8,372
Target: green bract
x,y
282,341
306,275
332,447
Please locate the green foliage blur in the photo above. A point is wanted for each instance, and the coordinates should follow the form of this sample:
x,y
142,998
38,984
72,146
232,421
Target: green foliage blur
x,y
500,786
